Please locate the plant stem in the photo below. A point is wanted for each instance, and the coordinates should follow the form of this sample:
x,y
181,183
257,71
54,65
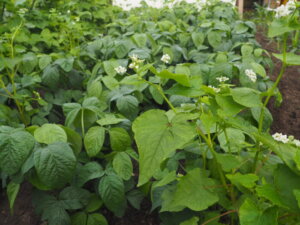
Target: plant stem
x,y
32,5
270,94
219,216
2,11
82,123
296,39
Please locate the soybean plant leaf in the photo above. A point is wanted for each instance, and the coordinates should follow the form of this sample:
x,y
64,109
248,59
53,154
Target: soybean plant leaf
x,y
119,139
246,180
94,89
93,140
110,82
135,198
51,76
74,139
89,171
72,110
65,63
259,69
291,58
228,161
122,165
112,191
44,61
109,67
95,203
158,98
110,119
96,219
79,218
236,139
246,96
12,191
214,38
140,40
285,182
15,147
198,38
50,133
192,221
55,164
268,191
128,106
157,138
193,191
74,198
250,213
182,79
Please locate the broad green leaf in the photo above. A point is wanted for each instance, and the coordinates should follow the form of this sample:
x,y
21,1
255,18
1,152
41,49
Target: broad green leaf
x,y
278,27
192,221
44,61
128,106
214,38
119,139
182,79
198,38
89,171
193,91
94,203
235,141
93,140
140,40
158,98
246,180
291,58
228,161
55,164
250,213
65,63
96,219
297,195
157,137
246,97
135,198
94,89
193,191
50,133
268,191
122,165
229,106
73,198
79,218
247,50
12,191
111,190
51,76
110,82
74,139
109,119
109,67
15,147
268,118
259,69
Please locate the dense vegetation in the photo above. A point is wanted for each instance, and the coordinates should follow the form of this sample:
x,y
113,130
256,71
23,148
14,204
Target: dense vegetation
x,y
101,107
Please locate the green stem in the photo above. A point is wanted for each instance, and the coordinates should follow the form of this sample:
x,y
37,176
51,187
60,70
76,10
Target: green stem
x,y
82,123
32,5
210,145
2,11
296,39
270,94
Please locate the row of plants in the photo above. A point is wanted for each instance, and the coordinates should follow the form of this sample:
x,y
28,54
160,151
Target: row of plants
x,y
90,92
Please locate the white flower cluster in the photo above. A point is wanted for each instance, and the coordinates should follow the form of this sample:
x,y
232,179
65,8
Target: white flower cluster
x,y
285,139
135,64
280,137
217,90
222,79
22,11
251,75
285,10
229,1
121,70
166,58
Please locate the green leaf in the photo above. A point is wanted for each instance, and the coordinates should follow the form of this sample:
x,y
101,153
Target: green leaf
x,y
229,106
140,40
89,171
94,203
111,190
135,198
74,139
259,69
214,38
128,106
96,219
65,63
79,218
198,38
250,213
122,165
110,119
236,139
246,96
247,50
246,180
193,191
12,192
93,140
192,221
157,138
279,27
228,161
50,133
268,118
268,191
15,147
182,79
119,139
51,76
94,89
110,82
73,198
44,61
55,164
291,58
109,67
297,195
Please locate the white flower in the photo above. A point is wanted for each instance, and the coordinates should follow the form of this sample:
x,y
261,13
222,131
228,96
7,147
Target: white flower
x,y
222,79
280,137
77,19
291,5
296,142
285,10
120,70
269,9
133,65
68,11
22,11
166,58
217,90
251,75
